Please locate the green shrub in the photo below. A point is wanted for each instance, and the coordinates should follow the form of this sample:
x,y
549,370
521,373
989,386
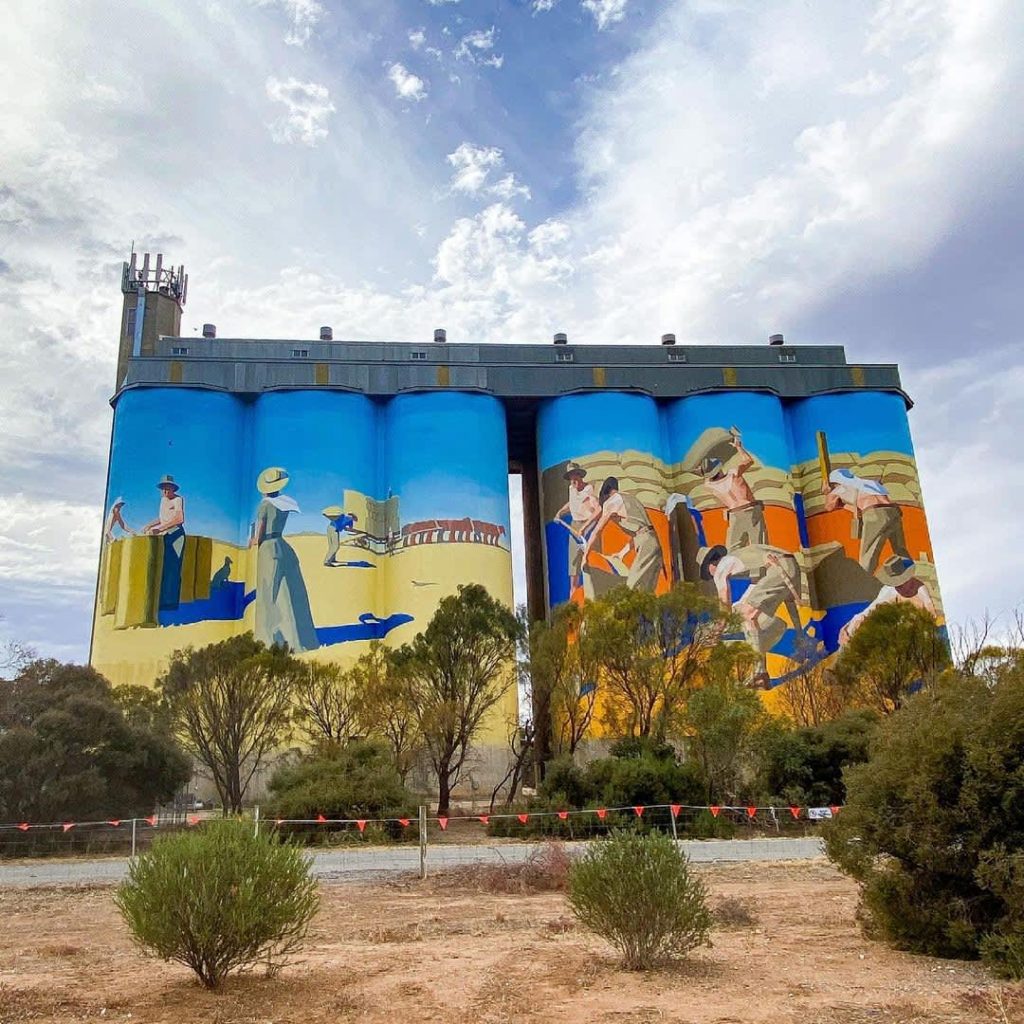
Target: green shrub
x,y
636,891
358,780
933,827
219,899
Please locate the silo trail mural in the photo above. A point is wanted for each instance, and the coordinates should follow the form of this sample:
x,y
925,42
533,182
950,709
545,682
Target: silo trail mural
x,y
800,516
317,520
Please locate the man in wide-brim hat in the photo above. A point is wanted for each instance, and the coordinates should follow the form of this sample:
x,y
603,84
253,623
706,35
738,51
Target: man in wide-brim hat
x,y
338,522
743,512
900,582
584,510
170,524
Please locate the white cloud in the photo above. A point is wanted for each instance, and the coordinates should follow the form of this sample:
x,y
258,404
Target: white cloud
x,y
477,47
540,6
417,37
869,85
605,12
304,16
308,107
407,85
473,166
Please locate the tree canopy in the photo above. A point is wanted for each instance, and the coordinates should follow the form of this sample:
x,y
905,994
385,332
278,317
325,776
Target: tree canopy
x,y
68,750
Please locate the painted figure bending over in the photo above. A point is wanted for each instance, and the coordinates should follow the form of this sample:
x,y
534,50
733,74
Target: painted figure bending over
x,y
282,604
115,519
876,517
775,582
629,514
338,522
744,513
169,524
900,582
584,511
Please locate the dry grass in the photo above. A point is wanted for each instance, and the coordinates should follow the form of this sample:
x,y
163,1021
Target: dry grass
x,y
545,870
732,912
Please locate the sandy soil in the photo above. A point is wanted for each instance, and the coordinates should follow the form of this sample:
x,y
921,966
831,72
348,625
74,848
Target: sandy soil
x,y
419,952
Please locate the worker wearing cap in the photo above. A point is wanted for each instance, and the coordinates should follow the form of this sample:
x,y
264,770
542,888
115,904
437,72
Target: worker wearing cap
x,y
338,521
744,513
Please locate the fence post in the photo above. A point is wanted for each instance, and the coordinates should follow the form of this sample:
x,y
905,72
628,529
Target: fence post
x,y
133,838
256,822
423,841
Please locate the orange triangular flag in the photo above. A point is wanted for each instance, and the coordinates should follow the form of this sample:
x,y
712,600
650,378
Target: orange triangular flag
x,y
563,815
835,810
404,822
523,818
360,824
485,818
68,826
193,819
676,808
638,811
151,820
115,822
714,811
443,822
795,811
320,819
751,812
601,812
24,826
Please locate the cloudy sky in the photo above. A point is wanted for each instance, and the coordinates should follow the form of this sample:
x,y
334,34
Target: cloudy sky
x,y
846,172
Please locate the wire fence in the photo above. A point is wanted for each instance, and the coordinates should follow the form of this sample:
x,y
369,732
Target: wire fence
x,y
450,839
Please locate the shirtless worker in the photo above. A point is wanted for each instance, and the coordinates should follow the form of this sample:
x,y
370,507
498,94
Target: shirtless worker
x,y
876,517
743,512
584,510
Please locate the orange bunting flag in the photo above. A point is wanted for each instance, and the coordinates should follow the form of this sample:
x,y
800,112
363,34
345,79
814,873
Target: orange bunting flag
x,y
116,822
320,819
835,810
404,822
795,811
192,819
68,826
485,818
151,820
443,822
676,808
714,811
638,811
361,824
751,812
601,813
563,815
523,818
24,826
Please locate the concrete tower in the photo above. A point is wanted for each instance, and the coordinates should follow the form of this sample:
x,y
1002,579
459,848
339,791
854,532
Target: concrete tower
x,y
154,297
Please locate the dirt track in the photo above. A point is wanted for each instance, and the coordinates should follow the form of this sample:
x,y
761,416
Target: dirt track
x,y
412,952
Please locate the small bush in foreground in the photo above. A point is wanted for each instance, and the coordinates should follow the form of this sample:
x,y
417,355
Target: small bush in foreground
x,y
546,869
219,900
731,912
636,891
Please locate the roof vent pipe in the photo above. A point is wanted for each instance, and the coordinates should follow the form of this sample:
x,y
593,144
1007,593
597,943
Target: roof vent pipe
x,y
776,339
440,334
668,339
209,330
561,339
326,334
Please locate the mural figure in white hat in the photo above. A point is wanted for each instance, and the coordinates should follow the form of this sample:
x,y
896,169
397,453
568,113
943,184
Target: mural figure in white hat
x,y
283,615
169,524
900,582
584,511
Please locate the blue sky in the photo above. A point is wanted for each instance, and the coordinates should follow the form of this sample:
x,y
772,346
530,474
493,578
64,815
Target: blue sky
x,y
724,169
